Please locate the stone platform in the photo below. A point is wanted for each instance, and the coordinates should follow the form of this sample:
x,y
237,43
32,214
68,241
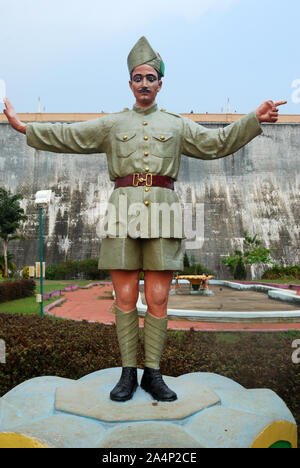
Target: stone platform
x,y
211,411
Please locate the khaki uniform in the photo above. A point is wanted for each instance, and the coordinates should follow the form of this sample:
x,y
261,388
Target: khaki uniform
x,y
140,141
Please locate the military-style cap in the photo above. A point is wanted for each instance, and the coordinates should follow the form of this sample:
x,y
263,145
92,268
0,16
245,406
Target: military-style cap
x,y
143,54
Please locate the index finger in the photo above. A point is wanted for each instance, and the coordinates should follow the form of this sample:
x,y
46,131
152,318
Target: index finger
x,y
279,103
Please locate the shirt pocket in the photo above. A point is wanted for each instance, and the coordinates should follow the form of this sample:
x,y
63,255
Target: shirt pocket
x,y
125,144
163,145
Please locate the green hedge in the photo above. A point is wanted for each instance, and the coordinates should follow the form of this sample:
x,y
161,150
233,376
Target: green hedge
x,y
278,272
197,269
86,269
11,290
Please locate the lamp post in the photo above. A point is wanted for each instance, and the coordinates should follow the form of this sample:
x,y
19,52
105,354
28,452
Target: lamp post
x,y
41,261
42,199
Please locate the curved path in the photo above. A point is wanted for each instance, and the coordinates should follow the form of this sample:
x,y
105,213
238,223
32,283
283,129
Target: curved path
x,y
92,305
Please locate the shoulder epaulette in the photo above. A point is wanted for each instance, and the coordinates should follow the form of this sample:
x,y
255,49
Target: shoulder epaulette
x,y
170,113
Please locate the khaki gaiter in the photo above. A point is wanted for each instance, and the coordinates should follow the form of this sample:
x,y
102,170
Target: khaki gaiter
x,y
127,324
155,330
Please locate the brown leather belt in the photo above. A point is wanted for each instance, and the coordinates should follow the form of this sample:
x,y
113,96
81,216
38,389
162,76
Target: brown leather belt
x,y
148,179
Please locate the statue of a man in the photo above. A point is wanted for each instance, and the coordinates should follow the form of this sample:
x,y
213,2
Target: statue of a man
x,y
143,148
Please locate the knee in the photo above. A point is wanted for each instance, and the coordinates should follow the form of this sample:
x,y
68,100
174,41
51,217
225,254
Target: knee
x,y
157,296
126,297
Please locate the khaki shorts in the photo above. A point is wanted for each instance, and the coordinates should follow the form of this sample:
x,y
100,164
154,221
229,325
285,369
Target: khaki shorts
x,y
141,254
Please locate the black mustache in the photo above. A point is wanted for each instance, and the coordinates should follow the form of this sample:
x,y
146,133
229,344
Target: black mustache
x,y
144,90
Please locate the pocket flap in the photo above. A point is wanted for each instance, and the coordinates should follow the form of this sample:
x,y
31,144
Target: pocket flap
x,y
125,136
163,136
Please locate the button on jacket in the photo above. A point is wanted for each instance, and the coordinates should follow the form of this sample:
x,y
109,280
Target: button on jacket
x,y
143,140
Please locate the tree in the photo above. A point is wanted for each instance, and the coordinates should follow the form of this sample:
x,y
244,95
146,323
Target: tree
x,y
11,216
240,272
253,252
10,264
186,262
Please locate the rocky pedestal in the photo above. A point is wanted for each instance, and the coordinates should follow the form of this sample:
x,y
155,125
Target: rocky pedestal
x,y
211,411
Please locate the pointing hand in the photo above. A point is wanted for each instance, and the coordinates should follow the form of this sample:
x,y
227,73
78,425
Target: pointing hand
x,y
268,112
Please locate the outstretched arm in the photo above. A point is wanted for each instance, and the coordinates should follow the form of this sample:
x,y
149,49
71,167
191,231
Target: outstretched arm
x,y
80,137
203,143
11,116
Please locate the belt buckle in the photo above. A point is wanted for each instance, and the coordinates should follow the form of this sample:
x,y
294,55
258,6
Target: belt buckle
x,y
137,176
136,179
150,175
142,179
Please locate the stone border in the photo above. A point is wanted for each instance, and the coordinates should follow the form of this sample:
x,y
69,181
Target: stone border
x,y
54,304
232,316
72,288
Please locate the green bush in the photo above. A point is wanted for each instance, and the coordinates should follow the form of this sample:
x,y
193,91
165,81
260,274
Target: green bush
x,y
70,269
11,290
51,270
240,272
186,262
197,269
90,270
25,272
279,272
66,270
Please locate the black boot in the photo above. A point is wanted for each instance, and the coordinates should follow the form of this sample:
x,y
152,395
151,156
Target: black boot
x,y
126,386
152,382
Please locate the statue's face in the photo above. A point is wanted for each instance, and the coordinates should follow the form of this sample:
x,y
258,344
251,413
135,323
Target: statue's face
x,y
145,85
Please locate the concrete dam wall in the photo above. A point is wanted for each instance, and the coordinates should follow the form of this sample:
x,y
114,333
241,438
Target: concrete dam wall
x,y
256,189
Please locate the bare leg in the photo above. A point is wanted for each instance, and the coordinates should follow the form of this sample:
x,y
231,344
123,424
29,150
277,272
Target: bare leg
x,y
126,286
157,287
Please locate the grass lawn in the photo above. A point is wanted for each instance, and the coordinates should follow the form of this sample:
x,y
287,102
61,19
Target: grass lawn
x,y
29,304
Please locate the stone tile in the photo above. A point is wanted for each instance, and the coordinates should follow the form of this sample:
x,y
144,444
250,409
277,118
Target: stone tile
x,y
221,427
65,431
140,435
30,400
257,401
91,398
214,381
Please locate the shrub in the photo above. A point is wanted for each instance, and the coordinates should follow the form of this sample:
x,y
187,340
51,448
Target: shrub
x,y
70,269
278,272
240,272
197,269
66,270
51,271
11,290
25,272
186,262
90,270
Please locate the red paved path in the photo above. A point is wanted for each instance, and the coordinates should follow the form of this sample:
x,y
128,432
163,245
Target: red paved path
x,y
84,304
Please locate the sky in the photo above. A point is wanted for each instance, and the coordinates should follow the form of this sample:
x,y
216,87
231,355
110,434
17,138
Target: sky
x,y
72,54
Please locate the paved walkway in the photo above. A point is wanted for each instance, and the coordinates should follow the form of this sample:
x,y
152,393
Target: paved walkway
x,y
92,305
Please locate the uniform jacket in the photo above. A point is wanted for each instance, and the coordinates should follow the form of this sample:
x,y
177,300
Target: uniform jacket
x,y
139,141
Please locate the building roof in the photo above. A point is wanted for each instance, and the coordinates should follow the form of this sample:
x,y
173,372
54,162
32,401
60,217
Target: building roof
x,y
79,117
